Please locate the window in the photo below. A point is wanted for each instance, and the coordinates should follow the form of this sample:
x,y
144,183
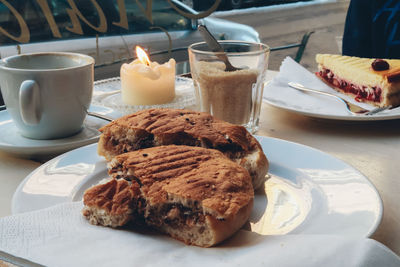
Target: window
x,y
48,20
163,15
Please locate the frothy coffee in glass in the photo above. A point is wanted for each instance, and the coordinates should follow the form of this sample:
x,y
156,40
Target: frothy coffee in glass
x,y
225,94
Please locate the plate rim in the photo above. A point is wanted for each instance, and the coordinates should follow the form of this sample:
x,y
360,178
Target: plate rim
x,y
367,180
372,228
369,118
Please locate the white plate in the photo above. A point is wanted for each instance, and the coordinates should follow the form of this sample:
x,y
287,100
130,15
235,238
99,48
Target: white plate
x,y
317,106
107,93
309,192
12,142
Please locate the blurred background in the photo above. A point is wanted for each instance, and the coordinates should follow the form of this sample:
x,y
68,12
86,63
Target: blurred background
x,y
110,30
282,23
159,27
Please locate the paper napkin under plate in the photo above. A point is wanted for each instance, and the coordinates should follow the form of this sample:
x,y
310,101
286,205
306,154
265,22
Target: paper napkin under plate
x,y
61,236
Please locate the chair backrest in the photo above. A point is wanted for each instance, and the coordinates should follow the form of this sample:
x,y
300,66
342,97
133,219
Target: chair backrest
x,y
301,46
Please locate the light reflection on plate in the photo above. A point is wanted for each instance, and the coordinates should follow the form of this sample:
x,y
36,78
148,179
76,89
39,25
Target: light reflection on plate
x,y
287,207
309,192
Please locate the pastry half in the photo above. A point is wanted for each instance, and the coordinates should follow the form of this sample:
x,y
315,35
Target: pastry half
x,y
193,194
362,78
111,203
156,127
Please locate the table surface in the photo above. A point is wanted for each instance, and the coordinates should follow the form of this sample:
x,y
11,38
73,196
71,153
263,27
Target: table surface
x,y
371,147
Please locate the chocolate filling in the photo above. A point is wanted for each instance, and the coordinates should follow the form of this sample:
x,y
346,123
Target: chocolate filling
x,y
174,215
360,92
230,149
123,146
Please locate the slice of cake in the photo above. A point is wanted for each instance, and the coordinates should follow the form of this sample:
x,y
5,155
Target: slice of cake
x,y
373,81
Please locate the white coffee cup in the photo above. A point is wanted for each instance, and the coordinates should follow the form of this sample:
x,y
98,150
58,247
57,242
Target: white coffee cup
x,y
47,94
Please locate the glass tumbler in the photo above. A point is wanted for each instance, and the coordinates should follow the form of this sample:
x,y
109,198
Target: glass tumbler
x,y
233,94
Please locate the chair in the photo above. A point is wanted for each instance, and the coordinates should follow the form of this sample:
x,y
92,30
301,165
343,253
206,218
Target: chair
x,y
302,46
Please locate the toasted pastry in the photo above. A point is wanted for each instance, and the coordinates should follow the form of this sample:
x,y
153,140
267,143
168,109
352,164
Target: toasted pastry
x,y
110,204
156,127
193,194
373,81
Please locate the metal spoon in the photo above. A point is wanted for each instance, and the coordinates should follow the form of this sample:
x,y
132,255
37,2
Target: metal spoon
x,y
350,106
216,47
100,116
90,113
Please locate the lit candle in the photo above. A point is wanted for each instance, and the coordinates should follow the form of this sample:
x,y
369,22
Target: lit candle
x,y
147,83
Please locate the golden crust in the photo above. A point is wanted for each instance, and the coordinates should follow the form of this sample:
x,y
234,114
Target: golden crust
x,y
110,203
224,229
155,127
183,173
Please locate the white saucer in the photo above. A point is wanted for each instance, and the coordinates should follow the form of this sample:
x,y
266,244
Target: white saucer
x,y
12,142
107,93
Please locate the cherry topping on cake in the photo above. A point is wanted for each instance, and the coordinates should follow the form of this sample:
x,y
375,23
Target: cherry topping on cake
x,y
380,64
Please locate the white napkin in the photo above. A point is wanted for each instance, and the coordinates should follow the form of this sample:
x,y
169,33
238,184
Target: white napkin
x,y
60,236
277,92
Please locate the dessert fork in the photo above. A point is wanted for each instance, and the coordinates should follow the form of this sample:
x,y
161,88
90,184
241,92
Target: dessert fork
x,y
354,109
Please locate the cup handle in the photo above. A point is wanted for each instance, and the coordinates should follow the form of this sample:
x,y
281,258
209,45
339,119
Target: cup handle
x,y
29,102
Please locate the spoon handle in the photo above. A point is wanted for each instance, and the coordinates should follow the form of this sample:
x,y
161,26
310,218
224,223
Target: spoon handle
x,y
210,40
94,114
100,116
215,46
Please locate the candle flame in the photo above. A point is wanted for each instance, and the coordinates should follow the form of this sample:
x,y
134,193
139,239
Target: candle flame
x,y
142,56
